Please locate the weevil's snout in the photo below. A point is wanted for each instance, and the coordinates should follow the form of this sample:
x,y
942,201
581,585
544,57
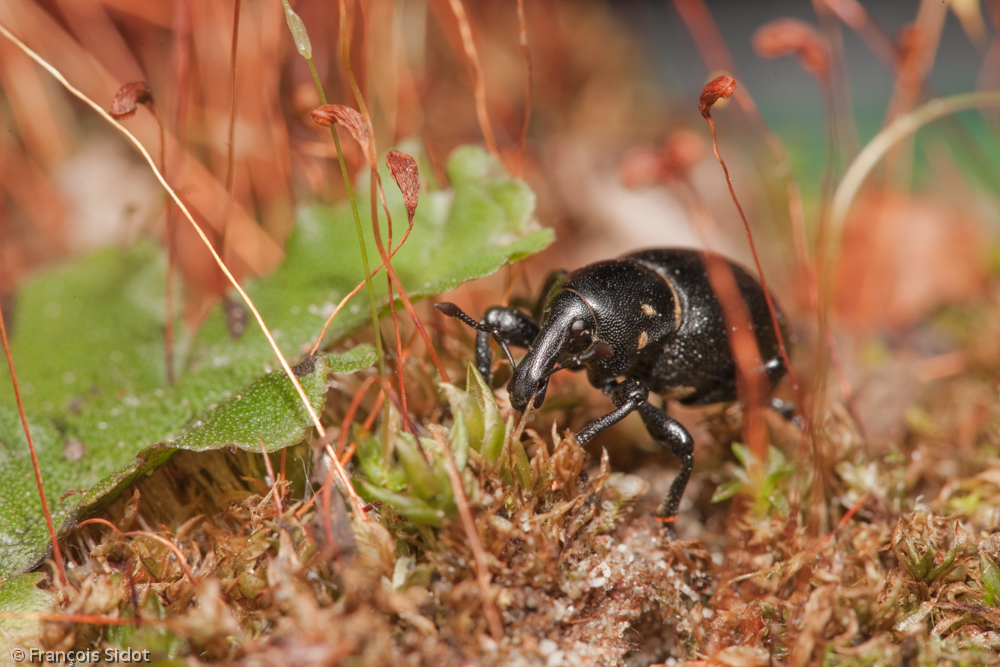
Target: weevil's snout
x,y
522,388
568,320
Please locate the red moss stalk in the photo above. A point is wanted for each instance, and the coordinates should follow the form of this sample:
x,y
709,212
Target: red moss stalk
x,y
752,385
230,151
723,87
56,553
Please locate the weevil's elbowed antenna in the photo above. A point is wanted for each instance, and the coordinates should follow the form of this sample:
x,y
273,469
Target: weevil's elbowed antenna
x,y
451,310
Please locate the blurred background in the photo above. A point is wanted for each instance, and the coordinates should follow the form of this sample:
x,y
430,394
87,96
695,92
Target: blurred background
x,y
616,149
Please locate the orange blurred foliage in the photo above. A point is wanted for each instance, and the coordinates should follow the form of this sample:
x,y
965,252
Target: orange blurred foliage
x,y
904,255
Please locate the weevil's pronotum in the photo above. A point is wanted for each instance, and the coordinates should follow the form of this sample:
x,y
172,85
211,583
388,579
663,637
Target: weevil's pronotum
x,y
650,318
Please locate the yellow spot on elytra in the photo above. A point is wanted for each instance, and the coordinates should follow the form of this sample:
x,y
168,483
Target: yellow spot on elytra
x,y
648,310
643,339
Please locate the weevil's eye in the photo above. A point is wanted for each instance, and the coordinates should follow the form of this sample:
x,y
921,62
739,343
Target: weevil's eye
x,y
580,337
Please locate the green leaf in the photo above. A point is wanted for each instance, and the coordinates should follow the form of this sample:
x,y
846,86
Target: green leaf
x,y
420,475
459,438
990,573
269,411
411,507
88,345
727,490
957,545
485,404
521,464
371,459
20,595
462,404
743,454
356,359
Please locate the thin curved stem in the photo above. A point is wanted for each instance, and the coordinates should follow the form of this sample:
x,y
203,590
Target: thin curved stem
x,y
56,554
899,129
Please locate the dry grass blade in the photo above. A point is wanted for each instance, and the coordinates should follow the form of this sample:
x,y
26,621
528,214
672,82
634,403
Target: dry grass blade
x,y
201,234
881,143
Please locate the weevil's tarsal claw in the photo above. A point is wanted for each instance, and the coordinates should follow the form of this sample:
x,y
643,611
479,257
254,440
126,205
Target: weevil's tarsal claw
x,y
503,346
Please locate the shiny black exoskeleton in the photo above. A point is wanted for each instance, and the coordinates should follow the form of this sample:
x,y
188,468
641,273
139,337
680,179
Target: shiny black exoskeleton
x,y
651,318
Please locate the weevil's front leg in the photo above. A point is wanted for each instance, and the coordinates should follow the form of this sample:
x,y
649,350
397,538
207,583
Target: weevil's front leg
x,y
508,326
628,395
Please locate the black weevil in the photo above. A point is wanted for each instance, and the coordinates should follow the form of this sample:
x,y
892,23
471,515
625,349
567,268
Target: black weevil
x,y
650,317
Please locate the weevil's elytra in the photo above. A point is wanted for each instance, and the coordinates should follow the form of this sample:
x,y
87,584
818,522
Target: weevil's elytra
x,y
651,318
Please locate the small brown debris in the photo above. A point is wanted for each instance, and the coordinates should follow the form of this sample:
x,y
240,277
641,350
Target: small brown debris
x,y
719,87
403,169
129,97
348,118
792,37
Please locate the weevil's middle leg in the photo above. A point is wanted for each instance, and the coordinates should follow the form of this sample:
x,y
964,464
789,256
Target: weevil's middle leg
x,y
669,433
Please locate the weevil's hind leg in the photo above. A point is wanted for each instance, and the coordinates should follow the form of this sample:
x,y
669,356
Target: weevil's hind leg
x,y
509,326
669,433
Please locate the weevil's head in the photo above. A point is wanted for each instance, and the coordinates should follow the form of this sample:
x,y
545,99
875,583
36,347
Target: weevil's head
x,y
569,328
